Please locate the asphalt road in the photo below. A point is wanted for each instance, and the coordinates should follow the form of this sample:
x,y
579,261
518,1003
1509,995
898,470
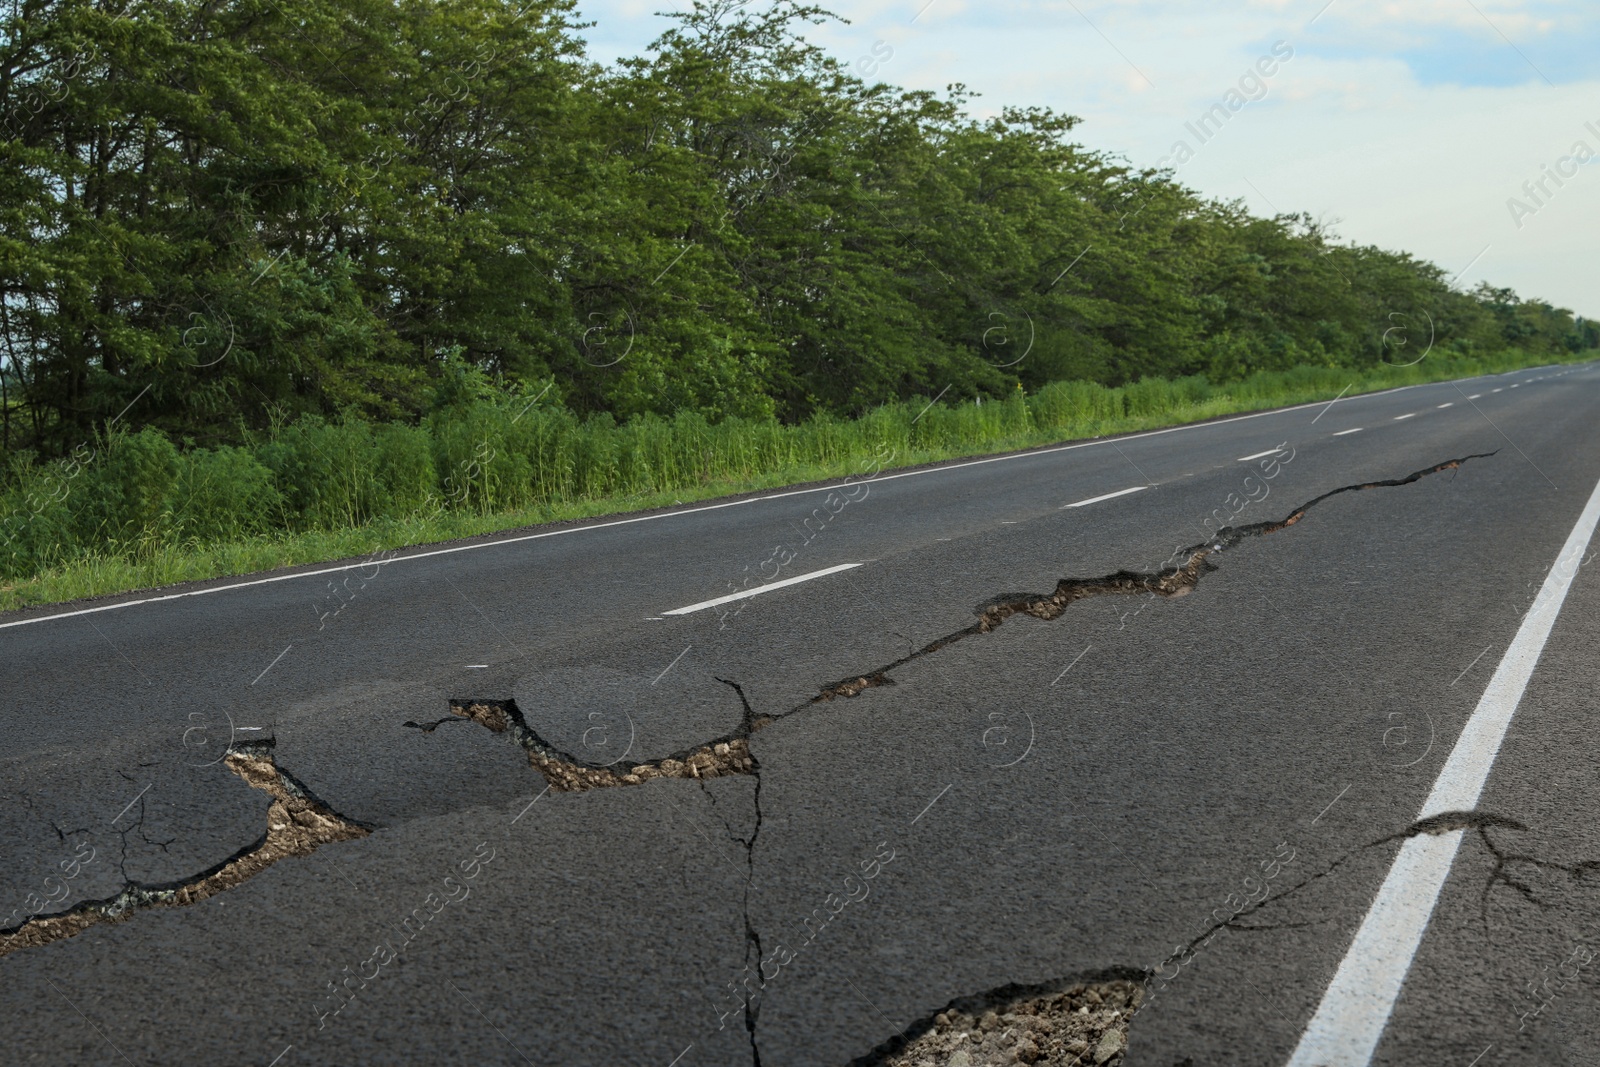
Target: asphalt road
x,y
1062,798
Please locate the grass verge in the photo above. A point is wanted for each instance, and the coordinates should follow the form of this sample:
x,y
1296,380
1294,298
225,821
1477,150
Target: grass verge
x,y
888,437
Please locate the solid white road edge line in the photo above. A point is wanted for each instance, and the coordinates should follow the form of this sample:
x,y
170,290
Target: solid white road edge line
x,y
1348,1023
1103,496
731,597
693,511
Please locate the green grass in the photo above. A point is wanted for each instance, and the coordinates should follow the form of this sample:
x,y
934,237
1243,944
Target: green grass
x,y
140,515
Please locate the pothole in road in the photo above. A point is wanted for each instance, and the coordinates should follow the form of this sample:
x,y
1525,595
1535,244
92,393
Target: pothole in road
x,y
1067,1026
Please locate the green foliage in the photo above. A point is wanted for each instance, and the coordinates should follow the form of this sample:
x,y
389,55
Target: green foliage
x,y
224,494
210,223
130,492
323,244
138,500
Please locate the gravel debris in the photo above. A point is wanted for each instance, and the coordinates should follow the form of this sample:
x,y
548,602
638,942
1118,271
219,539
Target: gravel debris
x,y
1077,1026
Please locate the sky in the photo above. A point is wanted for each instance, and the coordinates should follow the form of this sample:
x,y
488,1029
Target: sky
x,y
1423,125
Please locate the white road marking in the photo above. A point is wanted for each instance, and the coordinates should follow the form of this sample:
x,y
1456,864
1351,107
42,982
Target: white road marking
x,y
1258,455
1356,1007
1497,390
1474,396
1341,433
1448,404
1515,384
669,514
476,666
1105,496
1408,415
741,594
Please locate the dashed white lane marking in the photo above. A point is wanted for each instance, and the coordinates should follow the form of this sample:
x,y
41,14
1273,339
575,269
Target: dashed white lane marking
x,y
1408,415
502,541
1355,1010
1341,433
1259,455
743,593
1449,404
1474,396
1103,496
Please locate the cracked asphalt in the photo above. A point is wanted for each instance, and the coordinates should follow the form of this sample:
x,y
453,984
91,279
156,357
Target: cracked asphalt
x,y
1200,792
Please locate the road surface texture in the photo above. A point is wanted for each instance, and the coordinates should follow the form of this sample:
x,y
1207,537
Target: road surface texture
x,y
1313,771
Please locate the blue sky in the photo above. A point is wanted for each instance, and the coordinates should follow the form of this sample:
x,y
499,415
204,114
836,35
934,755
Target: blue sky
x,y
1410,123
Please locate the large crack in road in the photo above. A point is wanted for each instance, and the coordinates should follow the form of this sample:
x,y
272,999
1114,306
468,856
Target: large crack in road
x,y
730,754
1074,1022
1051,1020
1036,1017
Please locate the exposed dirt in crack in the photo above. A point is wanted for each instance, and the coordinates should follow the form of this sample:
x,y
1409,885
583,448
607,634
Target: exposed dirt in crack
x,y
1049,1025
298,823
731,754
1169,582
1059,1024
568,774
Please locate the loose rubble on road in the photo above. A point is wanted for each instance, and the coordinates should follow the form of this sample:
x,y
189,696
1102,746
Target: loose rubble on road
x,y
1082,1025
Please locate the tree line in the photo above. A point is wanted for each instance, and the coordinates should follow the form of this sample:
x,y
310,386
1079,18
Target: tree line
x,y
219,216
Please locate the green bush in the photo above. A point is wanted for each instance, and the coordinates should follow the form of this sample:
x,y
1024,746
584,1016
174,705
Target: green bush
x,y
128,494
138,499
36,522
225,494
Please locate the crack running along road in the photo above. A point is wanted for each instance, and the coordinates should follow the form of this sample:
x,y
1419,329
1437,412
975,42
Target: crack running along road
x,y
298,823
